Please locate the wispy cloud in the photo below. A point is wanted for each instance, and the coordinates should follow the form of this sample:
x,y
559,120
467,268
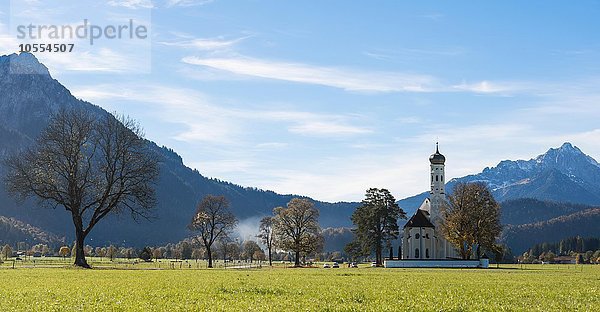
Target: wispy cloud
x,y
271,145
325,128
347,177
100,60
205,44
403,54
366,81
187,3
206,121
489,87
435,16
410,120
8,44
314,124
469,147
132,4
352,80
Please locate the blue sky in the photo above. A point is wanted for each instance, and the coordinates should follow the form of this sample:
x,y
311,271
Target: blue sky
x,y
329,98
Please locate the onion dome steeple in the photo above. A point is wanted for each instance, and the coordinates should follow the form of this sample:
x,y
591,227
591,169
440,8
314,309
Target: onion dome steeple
x,y
437,158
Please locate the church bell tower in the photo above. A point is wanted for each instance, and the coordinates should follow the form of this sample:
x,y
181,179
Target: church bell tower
x,y
437,193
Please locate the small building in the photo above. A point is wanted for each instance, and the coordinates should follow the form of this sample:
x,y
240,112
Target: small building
x,y
564,260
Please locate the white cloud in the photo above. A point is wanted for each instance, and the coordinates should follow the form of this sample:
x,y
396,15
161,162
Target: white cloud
x,y
205,44
8,44
346,178
318,128
347,79
352,80
435,16
187,3
206,121
97,60
132,4
473,133
410,120
400,165
271,145
489,87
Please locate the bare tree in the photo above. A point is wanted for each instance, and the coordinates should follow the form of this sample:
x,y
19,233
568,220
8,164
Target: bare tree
x,y
91,165
6,251
297,229
471,219
226,247
211,221
249,248
111,252
266,235
64,251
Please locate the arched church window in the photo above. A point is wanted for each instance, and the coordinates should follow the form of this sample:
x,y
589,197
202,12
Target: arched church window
x,y
417,236
427,253
416,252
436,178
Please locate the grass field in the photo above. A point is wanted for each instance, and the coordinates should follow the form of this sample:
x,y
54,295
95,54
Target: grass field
x,y
533,288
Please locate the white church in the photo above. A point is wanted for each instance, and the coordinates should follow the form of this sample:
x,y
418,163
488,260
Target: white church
x,y
423,243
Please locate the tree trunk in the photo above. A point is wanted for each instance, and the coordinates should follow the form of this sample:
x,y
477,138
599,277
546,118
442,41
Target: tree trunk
x,y
297,260
79,253
270,258
378,254
209,253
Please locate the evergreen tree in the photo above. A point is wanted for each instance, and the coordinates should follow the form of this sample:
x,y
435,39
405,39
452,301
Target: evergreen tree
x,y
146,254
376,222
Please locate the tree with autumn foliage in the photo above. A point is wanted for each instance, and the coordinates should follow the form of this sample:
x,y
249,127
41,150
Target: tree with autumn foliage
x,y
297,229
471,219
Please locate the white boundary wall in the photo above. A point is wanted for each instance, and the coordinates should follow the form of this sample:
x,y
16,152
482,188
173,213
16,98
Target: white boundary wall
x,y
483,263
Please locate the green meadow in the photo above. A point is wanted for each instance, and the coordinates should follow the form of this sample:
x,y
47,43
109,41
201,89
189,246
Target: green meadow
x,y
510,288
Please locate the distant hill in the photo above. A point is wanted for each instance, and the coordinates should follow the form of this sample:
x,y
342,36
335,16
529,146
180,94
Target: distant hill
x,y
27,101
584,223
337,238
12,231
529,210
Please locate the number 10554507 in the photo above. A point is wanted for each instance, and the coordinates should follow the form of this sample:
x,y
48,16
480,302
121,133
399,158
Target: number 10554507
x,y
46,47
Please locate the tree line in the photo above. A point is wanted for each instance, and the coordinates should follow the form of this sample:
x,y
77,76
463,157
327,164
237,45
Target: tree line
x,y
93,166
584,250
293,228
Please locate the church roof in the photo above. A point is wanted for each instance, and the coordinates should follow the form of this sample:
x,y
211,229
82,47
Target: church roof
x,y
419,219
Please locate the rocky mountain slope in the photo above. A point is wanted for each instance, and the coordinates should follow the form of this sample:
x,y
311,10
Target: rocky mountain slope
x,y
563,174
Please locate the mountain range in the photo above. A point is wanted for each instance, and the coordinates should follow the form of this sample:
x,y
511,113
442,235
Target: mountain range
x,y
563,174
561,182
